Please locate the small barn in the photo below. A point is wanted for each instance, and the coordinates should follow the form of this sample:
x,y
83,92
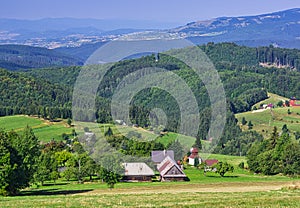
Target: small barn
x,y
170,171
158,156
137,172
209,163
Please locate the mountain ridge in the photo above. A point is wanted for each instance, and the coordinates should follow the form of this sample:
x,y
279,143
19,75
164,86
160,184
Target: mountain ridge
x,y
281,29
278,28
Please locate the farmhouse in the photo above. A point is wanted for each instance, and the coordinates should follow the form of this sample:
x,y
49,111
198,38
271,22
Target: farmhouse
x,y
194,154
293,102
135,172
170,171
158,156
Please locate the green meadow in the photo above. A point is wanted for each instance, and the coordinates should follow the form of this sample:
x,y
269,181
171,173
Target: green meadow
x,y
43,129
264,121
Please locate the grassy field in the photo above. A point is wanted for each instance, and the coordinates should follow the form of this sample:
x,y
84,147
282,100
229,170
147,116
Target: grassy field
x,y
264,121
43,129
146,135
235,190
18,122
278,198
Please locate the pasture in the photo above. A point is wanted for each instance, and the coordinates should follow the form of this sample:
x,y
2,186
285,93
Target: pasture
x,y
265,120
43,129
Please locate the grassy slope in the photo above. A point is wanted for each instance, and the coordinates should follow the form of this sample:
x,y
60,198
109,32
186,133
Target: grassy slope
x,y
44,130
167,138
265,121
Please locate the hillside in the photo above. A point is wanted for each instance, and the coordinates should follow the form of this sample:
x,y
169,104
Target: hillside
x,y
26,95
264,120
48,92
20,57
43,129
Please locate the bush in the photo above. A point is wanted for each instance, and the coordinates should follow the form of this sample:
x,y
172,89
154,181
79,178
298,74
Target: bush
x,y
242,165
223,167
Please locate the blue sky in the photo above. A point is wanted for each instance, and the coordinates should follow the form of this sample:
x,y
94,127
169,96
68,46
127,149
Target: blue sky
x,y
177,11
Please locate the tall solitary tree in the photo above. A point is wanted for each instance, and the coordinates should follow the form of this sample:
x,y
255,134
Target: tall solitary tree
x,y
18,156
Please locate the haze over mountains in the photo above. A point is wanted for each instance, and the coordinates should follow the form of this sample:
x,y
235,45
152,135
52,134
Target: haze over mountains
x,y
74,40
280,28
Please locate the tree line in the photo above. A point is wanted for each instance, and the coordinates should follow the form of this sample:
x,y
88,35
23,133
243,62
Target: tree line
x,y
25,161
274,155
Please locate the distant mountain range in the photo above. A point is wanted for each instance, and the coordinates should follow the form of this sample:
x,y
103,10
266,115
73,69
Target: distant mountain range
x,y
280,29
74,40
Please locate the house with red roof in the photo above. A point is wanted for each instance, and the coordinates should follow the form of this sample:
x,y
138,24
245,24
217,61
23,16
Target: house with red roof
x,y
294,102
169,170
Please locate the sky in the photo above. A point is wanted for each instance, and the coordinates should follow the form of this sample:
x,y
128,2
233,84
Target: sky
x,y
177,11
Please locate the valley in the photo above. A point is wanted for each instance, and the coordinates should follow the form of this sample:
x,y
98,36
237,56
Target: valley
x,y
213,122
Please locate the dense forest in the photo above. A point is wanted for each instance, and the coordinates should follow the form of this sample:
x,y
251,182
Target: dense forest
x,y
26,95
247,75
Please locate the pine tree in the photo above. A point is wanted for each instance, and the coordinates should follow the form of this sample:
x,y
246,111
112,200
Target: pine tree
x,y
109,132
244,122
250,125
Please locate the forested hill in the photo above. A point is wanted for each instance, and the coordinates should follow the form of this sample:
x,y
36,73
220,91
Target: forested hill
x,y
242,69
247,75
21,57
231,56
26,95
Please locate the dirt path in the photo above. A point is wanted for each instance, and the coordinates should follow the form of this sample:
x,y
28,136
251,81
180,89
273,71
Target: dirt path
x,y
191,188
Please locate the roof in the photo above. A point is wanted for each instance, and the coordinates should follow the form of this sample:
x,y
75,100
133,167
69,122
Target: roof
x,y
194,150
168,164
159,156
211,162
134,169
